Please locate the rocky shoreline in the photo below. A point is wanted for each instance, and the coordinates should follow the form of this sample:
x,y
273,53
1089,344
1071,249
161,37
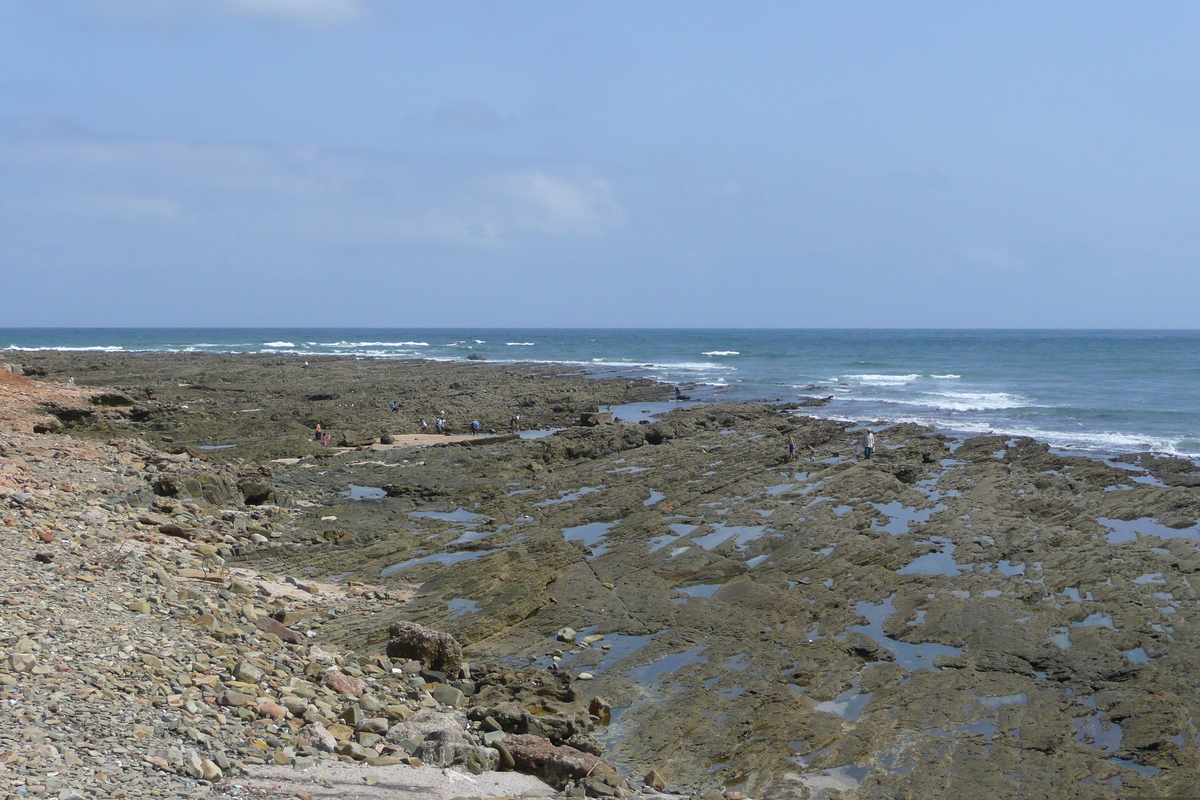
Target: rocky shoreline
x,y
196,591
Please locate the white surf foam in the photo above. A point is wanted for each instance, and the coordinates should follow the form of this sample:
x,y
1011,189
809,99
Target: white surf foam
x,y
881,380
279,344
720,353
974,401
1094,442
98,349
345,344
520,344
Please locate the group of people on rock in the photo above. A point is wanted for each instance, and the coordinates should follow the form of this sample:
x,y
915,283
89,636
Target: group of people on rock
x,y
440,425
321,437
865,447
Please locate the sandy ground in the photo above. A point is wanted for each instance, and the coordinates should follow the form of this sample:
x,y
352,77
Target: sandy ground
x,y
337,779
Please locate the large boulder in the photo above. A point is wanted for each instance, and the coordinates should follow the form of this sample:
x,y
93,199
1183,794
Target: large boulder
x,y
256,491
442,741
557,764
435,649
202,488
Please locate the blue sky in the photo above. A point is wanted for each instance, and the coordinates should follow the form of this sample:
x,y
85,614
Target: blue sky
x,y
694,164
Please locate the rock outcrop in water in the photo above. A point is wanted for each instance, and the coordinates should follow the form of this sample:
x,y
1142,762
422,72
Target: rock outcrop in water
x,y
949,618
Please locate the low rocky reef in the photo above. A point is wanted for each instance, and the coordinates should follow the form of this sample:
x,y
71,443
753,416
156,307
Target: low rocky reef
x,y
671,605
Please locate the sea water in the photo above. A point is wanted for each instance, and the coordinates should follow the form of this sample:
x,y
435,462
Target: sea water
x,y
1097,392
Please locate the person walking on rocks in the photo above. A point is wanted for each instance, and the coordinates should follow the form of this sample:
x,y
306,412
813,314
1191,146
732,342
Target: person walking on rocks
x,y
475,427
869,443
424,426
791,447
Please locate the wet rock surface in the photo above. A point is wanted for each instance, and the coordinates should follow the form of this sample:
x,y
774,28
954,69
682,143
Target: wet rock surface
x,y
947,618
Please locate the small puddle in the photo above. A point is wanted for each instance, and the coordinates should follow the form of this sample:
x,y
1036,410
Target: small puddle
x,y
590,534
700,590
909,656
1095,731
902,517
678,530
444,559
364,493
1128,530
1063,640
742,534
623,645
215,446
983,726
567,496
637,412
1138,655
849,705
475,536
458,515
1142,770
651,672
940,563
994,702
737,663
538,434
461,607
654,498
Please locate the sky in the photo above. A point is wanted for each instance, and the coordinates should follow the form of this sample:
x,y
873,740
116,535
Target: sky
x,y
380,163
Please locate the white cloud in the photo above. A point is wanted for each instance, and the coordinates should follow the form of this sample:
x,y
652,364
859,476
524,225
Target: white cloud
x,y
558,205
471,116
730,189
52,178
300,13
990,257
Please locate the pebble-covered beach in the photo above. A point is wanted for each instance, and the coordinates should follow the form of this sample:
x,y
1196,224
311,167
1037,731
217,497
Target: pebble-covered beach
x,y
201,598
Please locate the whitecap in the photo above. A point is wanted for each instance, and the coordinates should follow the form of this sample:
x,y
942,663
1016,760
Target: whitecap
x,y
520,344
386,344
975,401
279,344
948,377
721,353
96,349
882,380
951,402
1096,442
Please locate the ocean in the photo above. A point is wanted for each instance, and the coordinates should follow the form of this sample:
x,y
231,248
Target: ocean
x,y
1092,392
